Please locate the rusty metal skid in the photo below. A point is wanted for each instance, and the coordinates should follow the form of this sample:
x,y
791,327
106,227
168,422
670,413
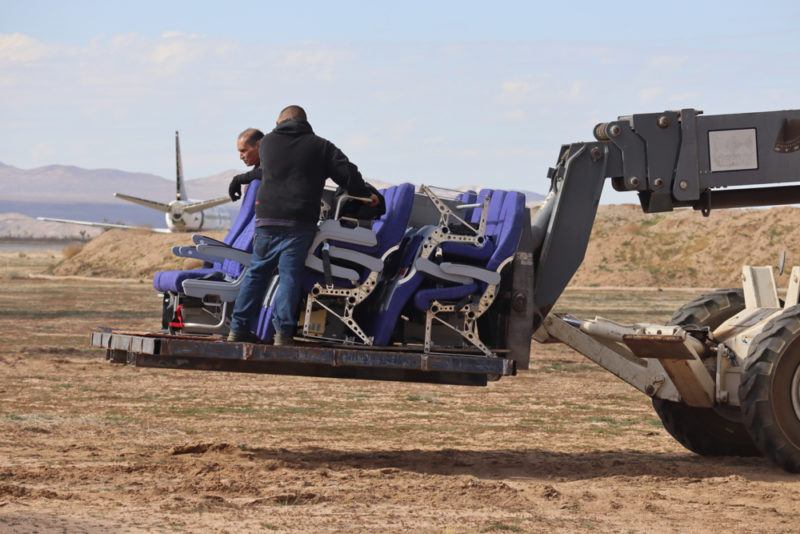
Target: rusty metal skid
x,y
184,352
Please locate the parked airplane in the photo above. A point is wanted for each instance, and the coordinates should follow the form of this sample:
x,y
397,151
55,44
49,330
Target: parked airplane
x,y
181,214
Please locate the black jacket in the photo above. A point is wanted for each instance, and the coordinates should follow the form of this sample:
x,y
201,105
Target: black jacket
x,y
294,166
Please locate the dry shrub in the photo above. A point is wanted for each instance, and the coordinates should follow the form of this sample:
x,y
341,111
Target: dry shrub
x,y
192,263
71,250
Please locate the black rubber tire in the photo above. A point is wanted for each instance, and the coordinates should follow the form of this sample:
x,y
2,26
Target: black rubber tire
x,y
770,390
707,431
711,309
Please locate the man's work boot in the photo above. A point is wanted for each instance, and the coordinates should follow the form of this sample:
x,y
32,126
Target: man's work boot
x,y
282,339
243,337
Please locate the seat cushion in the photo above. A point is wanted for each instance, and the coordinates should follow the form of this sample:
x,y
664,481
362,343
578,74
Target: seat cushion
x,y
173,280
423,298
239,236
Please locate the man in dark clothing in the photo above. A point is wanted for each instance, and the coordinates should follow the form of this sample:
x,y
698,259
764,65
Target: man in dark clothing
x,y
294,164
247,144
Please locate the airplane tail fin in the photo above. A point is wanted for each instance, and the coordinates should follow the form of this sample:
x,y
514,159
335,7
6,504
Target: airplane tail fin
x,y
180,187
160,206
205,204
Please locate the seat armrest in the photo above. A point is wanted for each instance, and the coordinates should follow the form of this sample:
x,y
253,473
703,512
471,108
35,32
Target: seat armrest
x,y
226,291
226,253
192,252
426,266
315,263
332,230
199,239
184,251
370,262
460,269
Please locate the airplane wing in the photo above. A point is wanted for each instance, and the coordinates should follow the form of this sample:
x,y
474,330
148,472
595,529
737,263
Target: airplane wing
x,y
160,206
107,225
205,204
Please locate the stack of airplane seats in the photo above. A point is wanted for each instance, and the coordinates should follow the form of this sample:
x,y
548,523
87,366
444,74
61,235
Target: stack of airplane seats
x,y
446,284
345,264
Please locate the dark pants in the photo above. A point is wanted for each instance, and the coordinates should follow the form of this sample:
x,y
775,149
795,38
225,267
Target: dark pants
x,y
286,249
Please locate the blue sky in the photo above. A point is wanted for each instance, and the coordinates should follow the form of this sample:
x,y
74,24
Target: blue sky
x,y
443,93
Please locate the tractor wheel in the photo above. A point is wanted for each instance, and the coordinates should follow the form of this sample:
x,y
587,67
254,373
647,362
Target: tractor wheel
x,y
714,431
770,390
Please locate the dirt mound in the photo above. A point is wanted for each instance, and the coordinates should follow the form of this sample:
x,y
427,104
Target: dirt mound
x,y
683,248
627,248
129,254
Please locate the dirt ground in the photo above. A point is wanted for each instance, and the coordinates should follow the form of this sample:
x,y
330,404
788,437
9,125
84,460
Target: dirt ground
x,y
89,446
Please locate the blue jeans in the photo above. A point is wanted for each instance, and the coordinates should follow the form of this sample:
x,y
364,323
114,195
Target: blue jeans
x,y
286,250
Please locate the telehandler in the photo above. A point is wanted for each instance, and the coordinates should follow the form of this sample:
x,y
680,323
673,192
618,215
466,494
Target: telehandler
x,y
451,287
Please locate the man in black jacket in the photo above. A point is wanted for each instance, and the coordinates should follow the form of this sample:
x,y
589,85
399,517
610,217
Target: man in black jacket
x,y
294,164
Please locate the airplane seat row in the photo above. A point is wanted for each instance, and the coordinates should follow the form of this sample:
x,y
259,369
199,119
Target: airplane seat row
x,y
345,265
458,304
458,274
239,236
171,283
361,283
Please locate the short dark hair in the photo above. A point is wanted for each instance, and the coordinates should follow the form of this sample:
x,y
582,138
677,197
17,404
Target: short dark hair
x,y
251,136
292,112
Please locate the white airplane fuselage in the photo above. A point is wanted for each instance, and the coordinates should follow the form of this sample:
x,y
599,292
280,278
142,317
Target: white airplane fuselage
x,y
209,219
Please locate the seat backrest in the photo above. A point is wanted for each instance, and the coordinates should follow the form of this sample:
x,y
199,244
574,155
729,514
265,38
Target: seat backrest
x,y
243,242
389,229
506,228
467,197
483,251
244,227
246,212
475,215
494,217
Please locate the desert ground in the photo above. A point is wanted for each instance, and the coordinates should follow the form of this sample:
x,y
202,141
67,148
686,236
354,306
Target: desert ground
x,y
89,446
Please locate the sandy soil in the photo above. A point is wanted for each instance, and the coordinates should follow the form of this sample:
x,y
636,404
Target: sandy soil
x,y
88,446
685,249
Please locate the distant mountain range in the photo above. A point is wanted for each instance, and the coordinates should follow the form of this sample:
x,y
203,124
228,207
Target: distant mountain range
x,y
69,192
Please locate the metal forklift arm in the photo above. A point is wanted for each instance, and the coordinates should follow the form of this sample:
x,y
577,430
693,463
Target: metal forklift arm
x,y
674,159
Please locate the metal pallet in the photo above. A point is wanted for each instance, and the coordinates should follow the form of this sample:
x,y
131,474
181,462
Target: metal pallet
x,y
147,349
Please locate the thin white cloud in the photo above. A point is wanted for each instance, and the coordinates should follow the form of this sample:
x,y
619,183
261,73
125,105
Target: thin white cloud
x,y
682,98
359,141
42,151
576,90
21,48
177,33
670,62
403,127
516,115
321,63
515,89
175,52
649,94
522,93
